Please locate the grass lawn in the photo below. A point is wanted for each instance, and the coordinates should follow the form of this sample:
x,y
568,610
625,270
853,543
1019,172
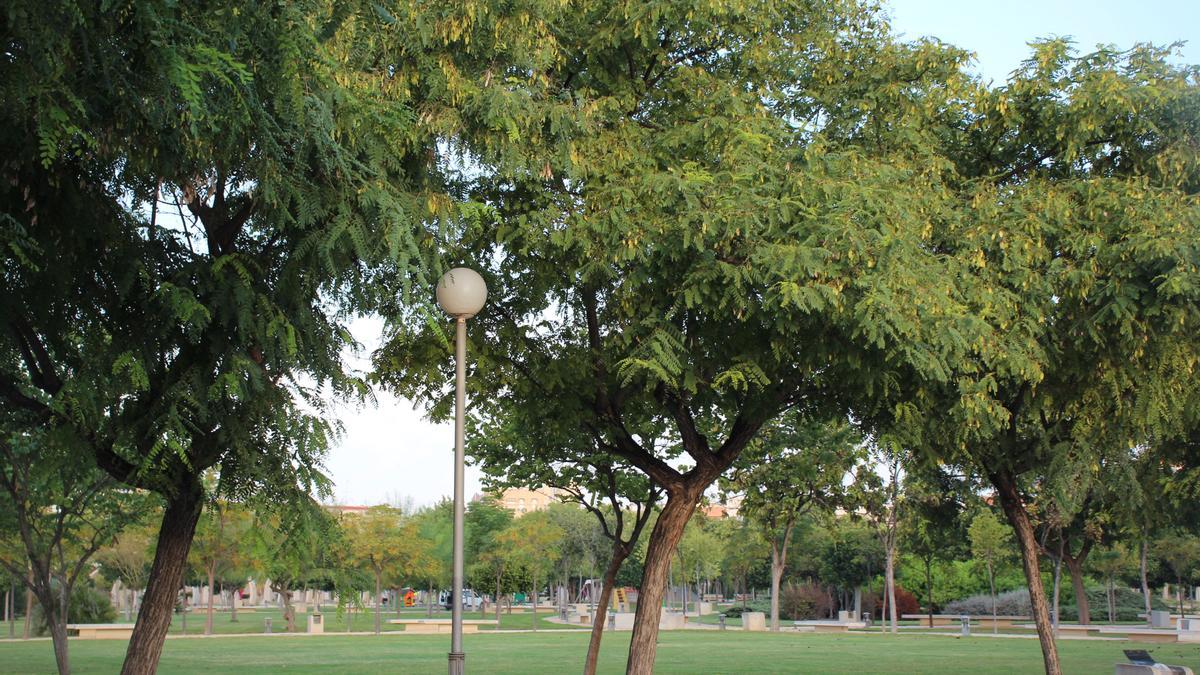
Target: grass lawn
x,y
548,652
253,622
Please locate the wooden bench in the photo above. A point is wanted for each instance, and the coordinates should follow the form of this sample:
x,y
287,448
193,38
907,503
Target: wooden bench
x,y
101,631
441,625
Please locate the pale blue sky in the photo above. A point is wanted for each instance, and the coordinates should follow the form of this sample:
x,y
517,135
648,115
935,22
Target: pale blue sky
x,y
998,31
390,452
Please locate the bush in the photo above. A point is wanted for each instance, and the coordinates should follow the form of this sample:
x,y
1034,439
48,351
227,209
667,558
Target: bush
x,y
1010,603
734,612
87,605
805,601
906,603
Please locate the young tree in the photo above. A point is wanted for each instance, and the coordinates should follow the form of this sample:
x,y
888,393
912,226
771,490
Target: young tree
x,y
1181,554
128,559
532,542
876,492
56,513
387,545
797,464
1112,562
992,544
219,542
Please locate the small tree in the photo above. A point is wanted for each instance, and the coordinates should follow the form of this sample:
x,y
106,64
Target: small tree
x,y
1181,553
128,559
1112,563
532,541
387,545
991,543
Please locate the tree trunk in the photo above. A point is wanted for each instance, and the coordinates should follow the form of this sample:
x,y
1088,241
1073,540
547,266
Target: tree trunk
x,y
234,597
158,601
429,604
891,586
619,553
1057,588
776,582
208,619
929,588
1018,518
1075,569
1145,584
535,594
499,576
28,603
378,590
58,635
289,612
992,585
1112,605
668,530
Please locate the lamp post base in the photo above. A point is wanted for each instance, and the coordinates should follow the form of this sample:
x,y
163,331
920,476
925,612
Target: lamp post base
x,y
458,663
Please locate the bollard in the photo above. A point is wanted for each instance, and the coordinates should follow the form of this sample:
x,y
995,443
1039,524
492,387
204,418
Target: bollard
x,y
267,625
721,620
966,625
612,621
562,613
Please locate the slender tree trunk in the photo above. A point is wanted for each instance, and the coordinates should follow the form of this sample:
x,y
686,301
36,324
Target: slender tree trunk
x,y
158,601
535,594
992,585
1075,569
378,608
668,530
184,613
929,588
208,619
234,596
619,553
1057,589
498,601
429,603
1018,518
890,574
28,603
1145,583
1111,597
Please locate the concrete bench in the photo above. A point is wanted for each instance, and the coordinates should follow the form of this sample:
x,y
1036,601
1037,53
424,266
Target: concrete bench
x,y
828,626
101,631
1142,634
1002,621
440,625
1074,630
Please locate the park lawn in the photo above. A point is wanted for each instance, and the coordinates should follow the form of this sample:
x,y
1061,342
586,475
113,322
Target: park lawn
x,y
362,621
678,652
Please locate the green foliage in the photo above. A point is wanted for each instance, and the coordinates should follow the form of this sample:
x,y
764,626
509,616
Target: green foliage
x,y
86,605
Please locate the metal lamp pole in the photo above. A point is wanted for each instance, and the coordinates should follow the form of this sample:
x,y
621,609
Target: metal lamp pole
x,y
461,293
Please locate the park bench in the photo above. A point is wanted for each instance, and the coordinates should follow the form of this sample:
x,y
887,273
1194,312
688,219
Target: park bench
x,y
1142,634
440,625
828,626
101,631
1002,621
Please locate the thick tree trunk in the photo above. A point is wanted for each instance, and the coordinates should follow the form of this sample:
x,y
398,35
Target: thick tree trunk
x,y
1075,569
158,601
668,530
619,553
776,582
1145,582
1018,518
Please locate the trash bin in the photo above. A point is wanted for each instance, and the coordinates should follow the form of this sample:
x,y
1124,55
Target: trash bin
x,y
721,621
612,621
316,623
267,625
966,625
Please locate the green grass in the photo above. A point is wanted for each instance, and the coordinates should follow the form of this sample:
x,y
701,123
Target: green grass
x,y
253,622
548,652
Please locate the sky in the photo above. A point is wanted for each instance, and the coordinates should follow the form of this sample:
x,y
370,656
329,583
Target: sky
x,y
391,454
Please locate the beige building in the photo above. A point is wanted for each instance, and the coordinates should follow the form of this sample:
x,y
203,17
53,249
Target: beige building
x,y
524,500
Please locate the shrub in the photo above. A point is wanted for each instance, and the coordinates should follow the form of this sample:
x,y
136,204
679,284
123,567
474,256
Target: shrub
x,y
804,601
763,606
906,603
87,605
1010,603
1129,605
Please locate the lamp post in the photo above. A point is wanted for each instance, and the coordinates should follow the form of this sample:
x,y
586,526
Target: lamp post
x,y
461,293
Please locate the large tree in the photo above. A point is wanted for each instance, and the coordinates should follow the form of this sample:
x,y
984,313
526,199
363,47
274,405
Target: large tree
x,y
726,214
1078,178
190,195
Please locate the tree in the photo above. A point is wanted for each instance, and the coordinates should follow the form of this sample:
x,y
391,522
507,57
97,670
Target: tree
x,y
1181,553
798,463
1111,563
218,546
244,171
128,559
991,543
532,542
934,498
712,224
388,545
878,496
56,513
